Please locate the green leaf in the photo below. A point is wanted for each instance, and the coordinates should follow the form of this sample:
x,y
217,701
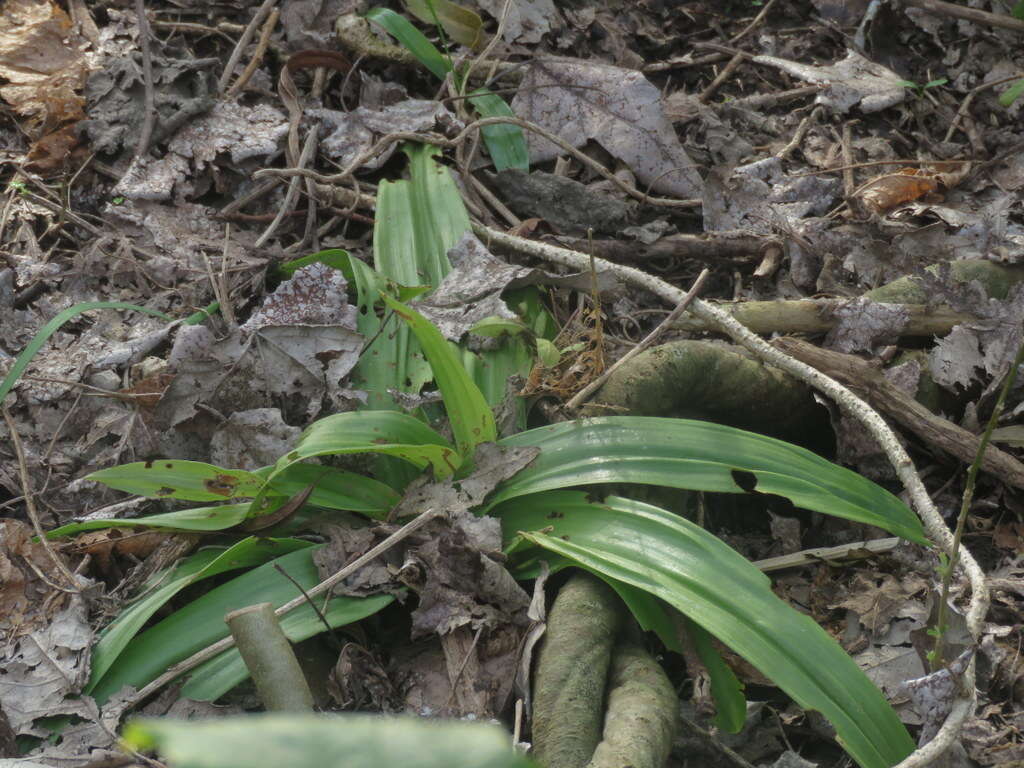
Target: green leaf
x,y
505,142
713,585
337,258
201,622
217,518
22,361
418,221
726,690
414,41
1007,97
177,479
1018,10
337,489
202,565
699,455
495,327
548,353
460,24
470,417
385,432
653,615
315,741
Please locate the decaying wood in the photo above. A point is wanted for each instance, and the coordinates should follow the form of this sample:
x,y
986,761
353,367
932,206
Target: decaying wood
x,y
868,381
817,316
854,551
712,247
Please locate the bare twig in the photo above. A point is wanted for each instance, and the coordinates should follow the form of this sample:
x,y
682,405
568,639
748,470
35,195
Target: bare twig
x,y
257,57
769,262
30,505
933,430
969,14
293,187
762,100
854,551
645,343
752,25
386,141
875,163
199,29
966,105
849,182
149,104
236,55
724,75
798,135
684,62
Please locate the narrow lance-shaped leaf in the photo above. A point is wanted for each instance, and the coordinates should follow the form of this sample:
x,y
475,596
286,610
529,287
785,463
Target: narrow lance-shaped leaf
x,y
302,741
22,361
386,432
699,455
470,416
201,622
506,143
698,574
178,479
202,565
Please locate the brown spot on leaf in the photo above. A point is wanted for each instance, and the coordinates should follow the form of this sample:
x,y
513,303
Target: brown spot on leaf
x,y
222,485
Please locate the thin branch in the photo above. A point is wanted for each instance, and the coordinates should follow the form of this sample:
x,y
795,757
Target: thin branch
x,y
969,14
30,505
236,55
385,141
257,57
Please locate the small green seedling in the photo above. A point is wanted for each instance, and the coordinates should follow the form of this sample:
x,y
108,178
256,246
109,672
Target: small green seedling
x,y
920,89
1011,94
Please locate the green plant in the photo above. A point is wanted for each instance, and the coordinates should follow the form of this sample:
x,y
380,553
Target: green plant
x,y
506,143
1011,94
658,562
641,549
919,89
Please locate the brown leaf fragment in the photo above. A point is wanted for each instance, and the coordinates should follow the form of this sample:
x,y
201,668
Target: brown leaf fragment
x,y
618,108
888,191
42,61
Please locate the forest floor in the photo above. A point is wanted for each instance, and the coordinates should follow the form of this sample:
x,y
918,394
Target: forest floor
x,y
815,157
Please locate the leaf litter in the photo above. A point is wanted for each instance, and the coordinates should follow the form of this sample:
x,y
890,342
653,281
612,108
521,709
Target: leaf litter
x,y
85,219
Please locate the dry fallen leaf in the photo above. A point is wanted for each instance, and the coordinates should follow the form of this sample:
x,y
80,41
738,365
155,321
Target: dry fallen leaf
x,y
618,108
42,60
885,192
